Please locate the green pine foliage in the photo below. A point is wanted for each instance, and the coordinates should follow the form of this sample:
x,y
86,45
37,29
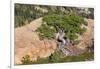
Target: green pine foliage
x,y
70,23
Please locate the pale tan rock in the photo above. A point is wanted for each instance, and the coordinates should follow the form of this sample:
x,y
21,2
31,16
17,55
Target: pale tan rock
x,y
86,38
27,42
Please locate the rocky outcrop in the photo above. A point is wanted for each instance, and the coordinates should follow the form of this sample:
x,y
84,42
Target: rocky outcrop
x,y
27,42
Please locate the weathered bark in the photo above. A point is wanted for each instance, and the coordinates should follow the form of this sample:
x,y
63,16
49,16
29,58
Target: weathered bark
x,y
62,42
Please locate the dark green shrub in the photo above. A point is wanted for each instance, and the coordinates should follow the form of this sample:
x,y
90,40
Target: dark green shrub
x,y
56,56
26,60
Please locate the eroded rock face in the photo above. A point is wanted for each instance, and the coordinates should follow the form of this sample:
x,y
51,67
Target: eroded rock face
x,y
27,42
